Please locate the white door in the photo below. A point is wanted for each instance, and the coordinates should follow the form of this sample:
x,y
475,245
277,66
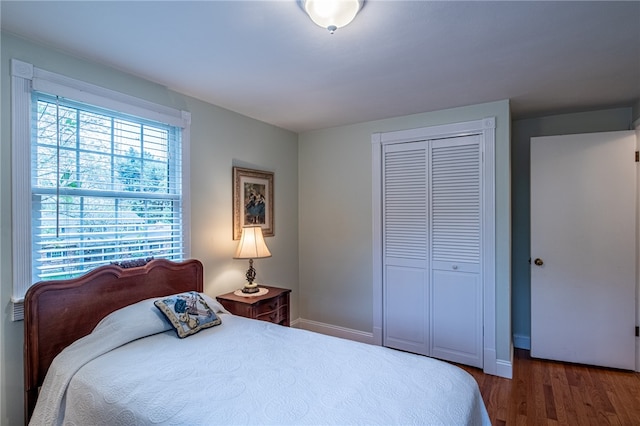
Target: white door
x,y
405,208
583,248
432,282
456,218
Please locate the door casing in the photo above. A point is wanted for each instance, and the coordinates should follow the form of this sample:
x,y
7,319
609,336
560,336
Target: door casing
x,y
486,129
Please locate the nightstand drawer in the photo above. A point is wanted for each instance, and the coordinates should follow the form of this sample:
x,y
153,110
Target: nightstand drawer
x,y
271,307
277,317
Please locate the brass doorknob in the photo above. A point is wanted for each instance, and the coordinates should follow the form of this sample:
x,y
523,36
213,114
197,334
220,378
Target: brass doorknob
x,y
538,262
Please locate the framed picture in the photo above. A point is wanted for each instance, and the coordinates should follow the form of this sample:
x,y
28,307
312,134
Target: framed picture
x,y
252,200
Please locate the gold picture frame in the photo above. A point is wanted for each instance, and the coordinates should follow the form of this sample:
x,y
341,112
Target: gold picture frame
x,y
252,200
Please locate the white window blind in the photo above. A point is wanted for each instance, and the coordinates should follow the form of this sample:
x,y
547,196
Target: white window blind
x,y
105,187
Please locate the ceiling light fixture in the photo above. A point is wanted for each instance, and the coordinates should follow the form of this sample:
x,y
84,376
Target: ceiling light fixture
x,y
332,14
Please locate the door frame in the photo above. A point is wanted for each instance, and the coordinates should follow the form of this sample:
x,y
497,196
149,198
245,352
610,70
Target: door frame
x,y
486,129
636,127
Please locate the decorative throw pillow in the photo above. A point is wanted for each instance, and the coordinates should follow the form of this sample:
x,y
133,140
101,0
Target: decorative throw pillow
x,y
188,312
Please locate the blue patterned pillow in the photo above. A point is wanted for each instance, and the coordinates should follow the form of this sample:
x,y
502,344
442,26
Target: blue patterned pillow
x,y
188,312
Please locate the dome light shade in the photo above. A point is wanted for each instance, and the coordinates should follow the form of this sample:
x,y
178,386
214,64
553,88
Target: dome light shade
x,y
332,14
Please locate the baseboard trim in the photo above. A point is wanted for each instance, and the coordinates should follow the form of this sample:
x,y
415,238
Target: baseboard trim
x,y
496,367
504,368
334,330
521,341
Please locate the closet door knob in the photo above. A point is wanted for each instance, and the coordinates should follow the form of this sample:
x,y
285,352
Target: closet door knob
x,y
538,262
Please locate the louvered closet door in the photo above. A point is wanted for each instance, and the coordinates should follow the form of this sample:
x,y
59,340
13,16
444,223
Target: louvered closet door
x,y
405,247
456,287
432,291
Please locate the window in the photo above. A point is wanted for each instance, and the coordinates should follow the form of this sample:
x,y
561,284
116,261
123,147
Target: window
x,y
105,187
98,177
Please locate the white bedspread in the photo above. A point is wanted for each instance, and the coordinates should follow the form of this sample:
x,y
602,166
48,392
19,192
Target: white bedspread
x,y
247,372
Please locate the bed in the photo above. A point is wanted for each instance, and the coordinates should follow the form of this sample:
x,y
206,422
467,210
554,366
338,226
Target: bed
x,y
102,349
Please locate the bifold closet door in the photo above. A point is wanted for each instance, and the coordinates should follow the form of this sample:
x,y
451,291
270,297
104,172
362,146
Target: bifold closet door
x,y
432,290
456,286
405,247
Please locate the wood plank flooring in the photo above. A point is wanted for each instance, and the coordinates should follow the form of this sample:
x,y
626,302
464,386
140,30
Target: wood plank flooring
x,y
556,393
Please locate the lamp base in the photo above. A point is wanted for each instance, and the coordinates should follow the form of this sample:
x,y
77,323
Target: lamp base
x,y
250,288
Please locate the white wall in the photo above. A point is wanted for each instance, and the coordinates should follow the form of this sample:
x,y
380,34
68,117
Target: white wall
x,y
219,140
335,192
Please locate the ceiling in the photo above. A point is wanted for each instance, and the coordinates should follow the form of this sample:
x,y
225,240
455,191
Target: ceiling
x,y
267,60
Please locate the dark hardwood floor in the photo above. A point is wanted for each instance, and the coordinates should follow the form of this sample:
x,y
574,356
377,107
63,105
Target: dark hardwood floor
x,y
556,393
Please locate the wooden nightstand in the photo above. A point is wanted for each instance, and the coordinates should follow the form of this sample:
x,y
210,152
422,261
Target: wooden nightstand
x,y
271,307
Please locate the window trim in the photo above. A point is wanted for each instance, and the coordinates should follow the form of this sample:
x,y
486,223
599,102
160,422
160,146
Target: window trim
x,y
24,79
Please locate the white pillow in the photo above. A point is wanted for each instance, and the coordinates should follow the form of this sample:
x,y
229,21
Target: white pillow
x,y
146,315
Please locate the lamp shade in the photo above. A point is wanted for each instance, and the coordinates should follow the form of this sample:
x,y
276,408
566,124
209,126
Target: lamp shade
x,y
332,14
252,245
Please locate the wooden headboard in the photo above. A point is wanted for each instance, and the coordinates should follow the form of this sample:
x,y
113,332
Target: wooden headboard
x,y
57,313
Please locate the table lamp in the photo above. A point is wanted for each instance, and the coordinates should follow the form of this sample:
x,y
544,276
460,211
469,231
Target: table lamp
x,y
251,246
